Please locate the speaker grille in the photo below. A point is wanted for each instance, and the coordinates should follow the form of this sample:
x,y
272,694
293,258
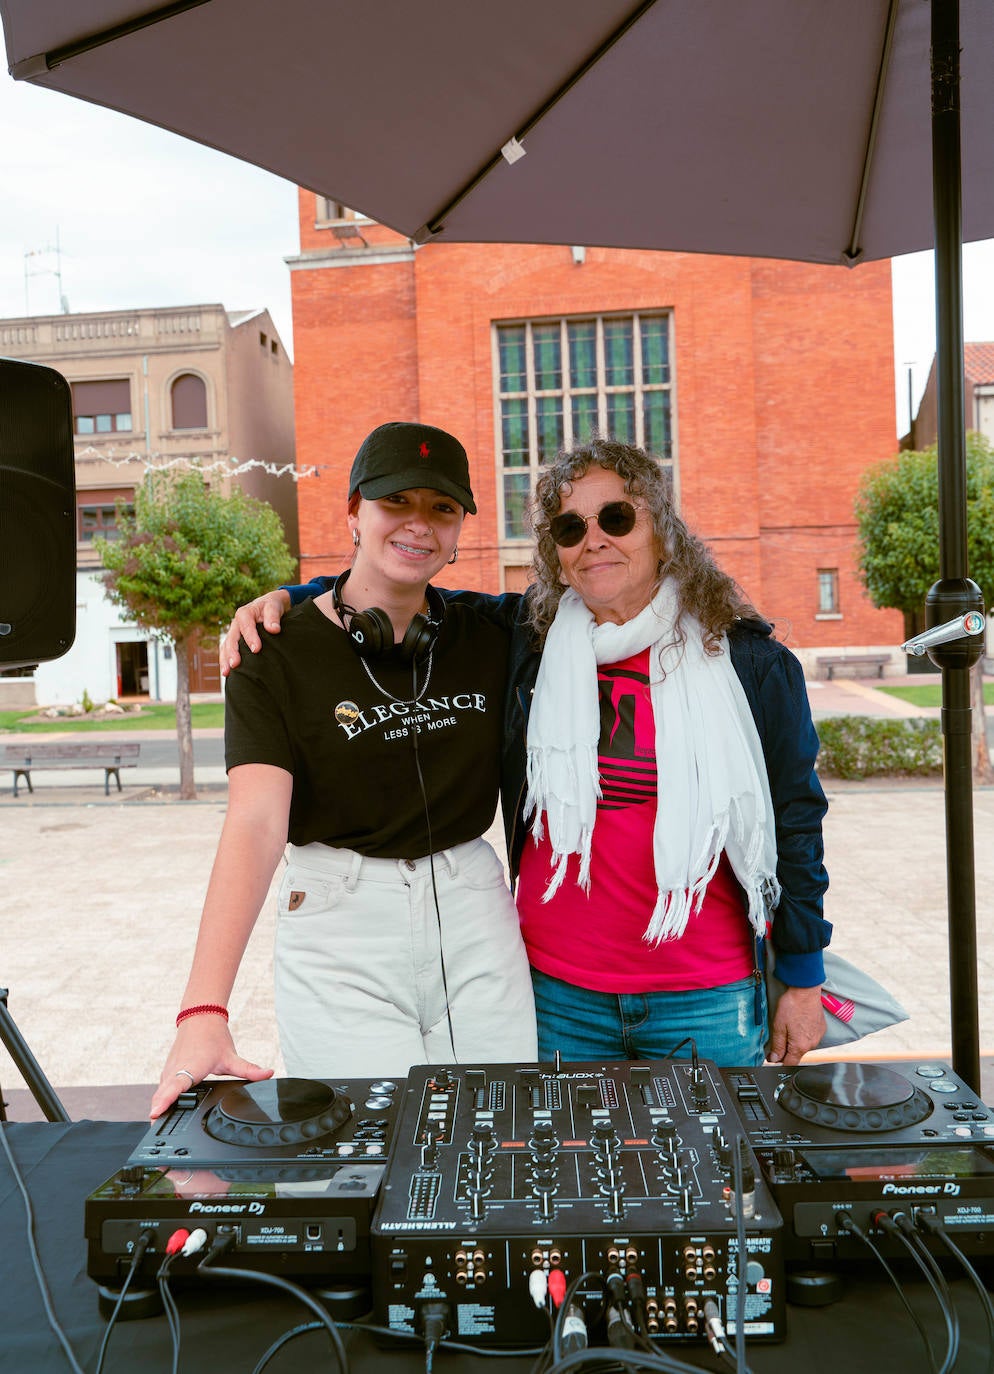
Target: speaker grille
x,y
37,515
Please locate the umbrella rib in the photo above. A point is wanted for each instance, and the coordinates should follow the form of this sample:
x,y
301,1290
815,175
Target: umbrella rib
x,y
436,223
40,63
854,252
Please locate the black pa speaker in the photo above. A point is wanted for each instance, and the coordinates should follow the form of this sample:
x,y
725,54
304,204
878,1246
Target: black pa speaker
x,y
37,515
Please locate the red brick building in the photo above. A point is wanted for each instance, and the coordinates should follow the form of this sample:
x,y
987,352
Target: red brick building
x,y
768,386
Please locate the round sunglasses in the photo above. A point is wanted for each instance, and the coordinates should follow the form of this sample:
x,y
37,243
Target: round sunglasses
x,y
615,519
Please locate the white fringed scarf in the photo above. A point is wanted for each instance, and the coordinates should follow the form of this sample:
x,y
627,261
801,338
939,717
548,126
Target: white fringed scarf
x,y
713,791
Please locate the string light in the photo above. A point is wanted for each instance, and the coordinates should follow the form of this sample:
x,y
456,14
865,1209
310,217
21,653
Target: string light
x,y
232,467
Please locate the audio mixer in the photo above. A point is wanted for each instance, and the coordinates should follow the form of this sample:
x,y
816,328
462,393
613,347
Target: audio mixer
x,y
504,1180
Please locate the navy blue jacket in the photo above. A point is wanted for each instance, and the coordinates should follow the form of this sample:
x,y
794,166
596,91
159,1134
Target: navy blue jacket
x,y
773,682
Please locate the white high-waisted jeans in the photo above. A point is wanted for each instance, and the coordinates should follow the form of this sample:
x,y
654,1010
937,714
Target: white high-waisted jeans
x,y
359,970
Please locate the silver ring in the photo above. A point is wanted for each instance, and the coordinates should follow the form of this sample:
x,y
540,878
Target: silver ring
x,y
188,1074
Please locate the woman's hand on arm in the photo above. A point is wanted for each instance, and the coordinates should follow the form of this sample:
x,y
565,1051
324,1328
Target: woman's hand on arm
x,y
798,1025
267,611
252,840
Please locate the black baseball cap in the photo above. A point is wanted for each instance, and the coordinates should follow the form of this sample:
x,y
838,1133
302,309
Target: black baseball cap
x,y
400,455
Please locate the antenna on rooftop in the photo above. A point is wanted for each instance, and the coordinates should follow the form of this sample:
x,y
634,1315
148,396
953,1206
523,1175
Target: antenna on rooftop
x,y
45,271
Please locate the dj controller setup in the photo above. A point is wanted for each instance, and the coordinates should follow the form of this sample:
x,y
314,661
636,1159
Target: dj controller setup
x,y
491,1187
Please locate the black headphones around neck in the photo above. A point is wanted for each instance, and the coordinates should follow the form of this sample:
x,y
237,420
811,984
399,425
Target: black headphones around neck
x,y
371,631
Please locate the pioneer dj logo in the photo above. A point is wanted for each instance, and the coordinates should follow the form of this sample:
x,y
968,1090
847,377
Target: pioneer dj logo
x,y
921,1189
216,1209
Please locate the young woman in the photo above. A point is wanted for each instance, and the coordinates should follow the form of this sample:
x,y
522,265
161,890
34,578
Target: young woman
x,y
369,737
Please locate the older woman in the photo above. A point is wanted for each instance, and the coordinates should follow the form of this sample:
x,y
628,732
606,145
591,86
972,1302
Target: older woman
x,y
663,767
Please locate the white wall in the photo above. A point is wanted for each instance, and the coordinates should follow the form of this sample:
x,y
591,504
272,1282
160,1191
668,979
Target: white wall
x,y
91,663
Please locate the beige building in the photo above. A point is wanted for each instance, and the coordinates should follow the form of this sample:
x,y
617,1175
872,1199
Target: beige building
x,y
150,388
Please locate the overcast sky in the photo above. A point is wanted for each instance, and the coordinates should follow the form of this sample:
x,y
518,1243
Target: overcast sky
x,y
145,218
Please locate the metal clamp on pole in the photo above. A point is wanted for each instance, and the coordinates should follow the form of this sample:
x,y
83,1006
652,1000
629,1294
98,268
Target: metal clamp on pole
x,y
960,627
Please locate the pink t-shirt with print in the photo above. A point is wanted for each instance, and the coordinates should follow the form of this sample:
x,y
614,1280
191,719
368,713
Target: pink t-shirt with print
x,y
595,940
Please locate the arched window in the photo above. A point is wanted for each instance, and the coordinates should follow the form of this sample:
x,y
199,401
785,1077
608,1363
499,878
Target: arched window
x,y
189,402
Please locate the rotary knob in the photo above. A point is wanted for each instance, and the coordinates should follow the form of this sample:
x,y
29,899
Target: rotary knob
x,y
543,1139
784,1162
604,1139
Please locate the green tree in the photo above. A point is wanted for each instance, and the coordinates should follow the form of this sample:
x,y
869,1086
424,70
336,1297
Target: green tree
x,y
185,557
897,513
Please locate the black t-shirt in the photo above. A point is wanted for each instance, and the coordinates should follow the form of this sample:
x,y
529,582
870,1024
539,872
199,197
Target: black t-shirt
x,y
307,704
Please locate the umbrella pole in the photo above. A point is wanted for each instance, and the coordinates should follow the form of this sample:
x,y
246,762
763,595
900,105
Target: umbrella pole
x,y
954,593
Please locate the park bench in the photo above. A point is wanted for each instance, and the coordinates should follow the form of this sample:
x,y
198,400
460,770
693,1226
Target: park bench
x,y
28,758
853,664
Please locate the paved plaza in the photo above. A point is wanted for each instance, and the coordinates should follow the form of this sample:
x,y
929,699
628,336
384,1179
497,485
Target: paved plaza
x,y
100,899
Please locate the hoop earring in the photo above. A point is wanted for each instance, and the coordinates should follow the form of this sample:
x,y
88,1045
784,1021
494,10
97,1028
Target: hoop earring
x,y
355,538
455,554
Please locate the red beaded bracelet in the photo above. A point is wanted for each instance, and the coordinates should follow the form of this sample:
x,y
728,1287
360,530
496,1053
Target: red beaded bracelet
x,y
204,1009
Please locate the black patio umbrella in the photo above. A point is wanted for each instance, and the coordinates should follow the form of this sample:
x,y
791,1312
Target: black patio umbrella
x,y
786,128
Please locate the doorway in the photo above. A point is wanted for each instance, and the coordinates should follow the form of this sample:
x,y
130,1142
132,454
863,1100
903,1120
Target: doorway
x,y
205,672
132,668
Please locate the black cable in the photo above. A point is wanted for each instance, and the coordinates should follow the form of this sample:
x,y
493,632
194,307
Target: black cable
x,y
628,1359
687,1040
141,1245
934,1226
431,865
285,1339
739,1144
435,1315
933,1276
636,1299
210,1270
169,1306
484,1352
557,1328
459,1347
628,1300
907,1229
653,1359
39,1272
846,1223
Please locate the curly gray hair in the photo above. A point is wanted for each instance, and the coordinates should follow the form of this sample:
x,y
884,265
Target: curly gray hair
x,y
703,590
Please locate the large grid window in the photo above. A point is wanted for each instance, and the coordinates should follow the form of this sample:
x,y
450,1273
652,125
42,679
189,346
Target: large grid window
x,y
559,381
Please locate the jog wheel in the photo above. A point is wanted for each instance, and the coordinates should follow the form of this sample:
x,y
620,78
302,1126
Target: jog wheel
x,y
278,1111
854,1097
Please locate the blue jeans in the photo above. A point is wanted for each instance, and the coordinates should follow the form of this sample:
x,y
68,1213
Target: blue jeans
x,y
728,1024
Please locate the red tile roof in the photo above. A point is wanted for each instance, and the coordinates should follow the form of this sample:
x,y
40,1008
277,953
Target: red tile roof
x,y
978,363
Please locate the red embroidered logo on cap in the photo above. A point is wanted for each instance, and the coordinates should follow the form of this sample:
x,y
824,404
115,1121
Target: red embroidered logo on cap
x,y
424,450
